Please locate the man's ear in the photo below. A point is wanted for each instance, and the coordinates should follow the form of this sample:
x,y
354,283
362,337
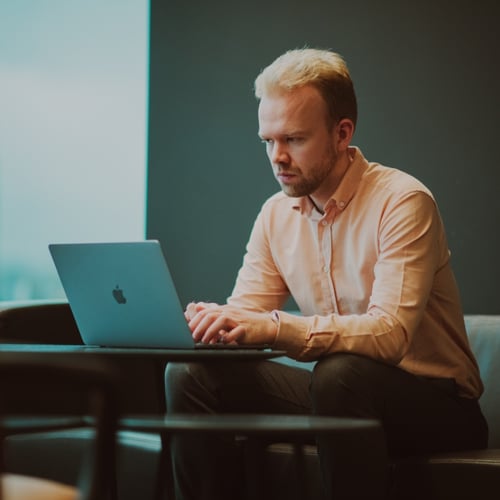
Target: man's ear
x,y
344,131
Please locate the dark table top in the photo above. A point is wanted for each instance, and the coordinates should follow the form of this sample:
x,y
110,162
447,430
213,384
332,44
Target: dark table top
x,y
248,424
56,350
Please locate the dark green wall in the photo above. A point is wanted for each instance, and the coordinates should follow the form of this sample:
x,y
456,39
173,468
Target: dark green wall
x,y
428,82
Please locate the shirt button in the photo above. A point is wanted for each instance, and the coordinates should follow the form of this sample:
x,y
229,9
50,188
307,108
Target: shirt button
x,y
325,269
342,204
324,223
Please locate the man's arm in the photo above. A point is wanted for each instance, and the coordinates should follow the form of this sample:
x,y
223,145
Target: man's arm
x,y
411,247
411,252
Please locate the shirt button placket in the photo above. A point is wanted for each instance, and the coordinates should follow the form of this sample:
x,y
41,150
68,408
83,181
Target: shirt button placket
x,y
328,250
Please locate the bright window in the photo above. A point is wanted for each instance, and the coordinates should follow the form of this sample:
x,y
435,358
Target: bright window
x,y
73,101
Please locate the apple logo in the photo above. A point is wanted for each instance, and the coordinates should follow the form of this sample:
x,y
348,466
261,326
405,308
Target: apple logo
x,y
118,295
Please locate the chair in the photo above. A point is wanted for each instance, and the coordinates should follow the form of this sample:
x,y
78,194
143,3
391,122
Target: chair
x,y
55,385
38,322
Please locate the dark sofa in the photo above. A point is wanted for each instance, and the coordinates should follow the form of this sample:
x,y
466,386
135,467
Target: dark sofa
x,y
472,474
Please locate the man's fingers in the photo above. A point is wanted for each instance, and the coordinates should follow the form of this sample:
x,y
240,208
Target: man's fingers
x,y
234,335
193,308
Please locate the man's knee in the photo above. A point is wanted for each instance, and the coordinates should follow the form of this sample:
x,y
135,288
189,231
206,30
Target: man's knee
x,y
341,385
338,370
176,375
185,387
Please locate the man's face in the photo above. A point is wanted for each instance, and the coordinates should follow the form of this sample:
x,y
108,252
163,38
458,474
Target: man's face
x,y
299,143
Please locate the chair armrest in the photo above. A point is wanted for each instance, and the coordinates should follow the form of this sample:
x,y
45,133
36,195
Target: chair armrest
x,y
38,322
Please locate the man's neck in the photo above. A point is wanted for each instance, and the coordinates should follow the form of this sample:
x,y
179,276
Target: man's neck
x,y
318,208
320,199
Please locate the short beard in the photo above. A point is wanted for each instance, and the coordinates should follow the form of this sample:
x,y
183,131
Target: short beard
x,y
305,188
310,185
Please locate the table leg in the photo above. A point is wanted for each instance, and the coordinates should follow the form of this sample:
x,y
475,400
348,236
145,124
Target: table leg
x,y
164,489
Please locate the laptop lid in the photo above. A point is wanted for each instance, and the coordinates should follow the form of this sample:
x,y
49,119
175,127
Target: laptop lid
x,y
122,294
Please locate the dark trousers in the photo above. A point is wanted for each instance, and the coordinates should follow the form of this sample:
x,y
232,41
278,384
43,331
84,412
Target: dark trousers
x,y
418,416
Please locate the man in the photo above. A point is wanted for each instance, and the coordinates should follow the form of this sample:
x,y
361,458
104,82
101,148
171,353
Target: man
x,y
362,250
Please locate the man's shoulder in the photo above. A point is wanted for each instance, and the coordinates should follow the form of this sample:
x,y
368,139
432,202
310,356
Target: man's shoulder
x,y
375,177
393,180
281,200
280,208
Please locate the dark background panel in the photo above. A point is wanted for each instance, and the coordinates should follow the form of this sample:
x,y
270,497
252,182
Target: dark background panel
x,y
427,78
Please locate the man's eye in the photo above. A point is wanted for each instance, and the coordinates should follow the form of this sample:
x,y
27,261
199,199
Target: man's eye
x,y
267,142
294,140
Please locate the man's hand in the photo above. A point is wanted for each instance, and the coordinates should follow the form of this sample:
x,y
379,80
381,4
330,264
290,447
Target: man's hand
x,y
211,323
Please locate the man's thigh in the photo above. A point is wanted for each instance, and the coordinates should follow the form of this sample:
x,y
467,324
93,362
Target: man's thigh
x,y
245,387
418,415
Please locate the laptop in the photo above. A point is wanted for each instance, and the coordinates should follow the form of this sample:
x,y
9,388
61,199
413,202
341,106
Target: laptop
x,y
122,295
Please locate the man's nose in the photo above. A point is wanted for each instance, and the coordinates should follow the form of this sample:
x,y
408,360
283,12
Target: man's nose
x,y
279,154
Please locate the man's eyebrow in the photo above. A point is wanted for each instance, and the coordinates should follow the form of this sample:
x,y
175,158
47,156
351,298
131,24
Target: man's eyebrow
x,y
262,136
295,132
289,133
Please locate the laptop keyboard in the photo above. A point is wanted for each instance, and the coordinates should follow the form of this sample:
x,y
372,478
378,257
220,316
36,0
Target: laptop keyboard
x,y
221,345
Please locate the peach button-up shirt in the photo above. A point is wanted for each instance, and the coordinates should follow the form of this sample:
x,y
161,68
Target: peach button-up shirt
x,y
370,276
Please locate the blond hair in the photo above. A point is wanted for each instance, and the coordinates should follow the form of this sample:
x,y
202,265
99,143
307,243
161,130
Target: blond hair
x,y
323,69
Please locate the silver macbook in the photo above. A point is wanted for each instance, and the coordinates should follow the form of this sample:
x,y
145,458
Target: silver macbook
x,y
122,295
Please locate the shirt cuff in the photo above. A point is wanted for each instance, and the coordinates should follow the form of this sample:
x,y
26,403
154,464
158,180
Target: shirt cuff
x,y
293,333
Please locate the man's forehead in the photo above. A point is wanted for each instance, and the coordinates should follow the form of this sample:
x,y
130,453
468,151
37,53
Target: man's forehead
x,y
294,107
